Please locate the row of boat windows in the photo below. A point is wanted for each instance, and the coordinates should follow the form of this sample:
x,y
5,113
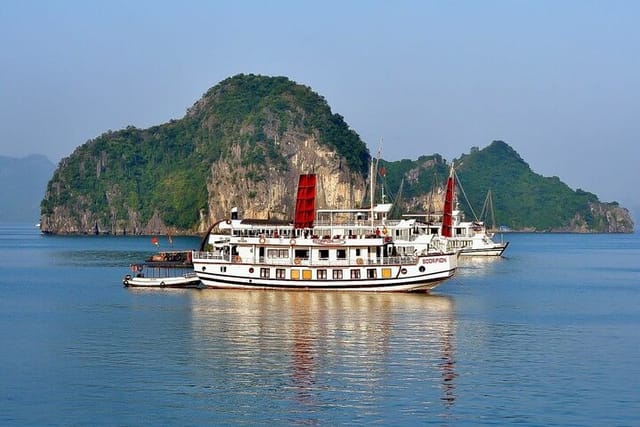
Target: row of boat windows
x,y
341,254
304,253
460,243
351,234
288,233
321,273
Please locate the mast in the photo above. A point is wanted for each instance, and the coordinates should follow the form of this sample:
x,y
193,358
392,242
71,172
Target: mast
x,y
488,214
372,189
373,174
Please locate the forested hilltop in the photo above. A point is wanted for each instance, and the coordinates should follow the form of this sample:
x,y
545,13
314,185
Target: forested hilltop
x,y
245,142
522,199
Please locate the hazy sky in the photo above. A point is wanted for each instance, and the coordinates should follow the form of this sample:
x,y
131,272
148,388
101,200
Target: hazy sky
x,y
559,81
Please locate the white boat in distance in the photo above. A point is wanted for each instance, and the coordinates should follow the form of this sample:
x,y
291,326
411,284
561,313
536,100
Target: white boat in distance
x,y
342,254
471,238
416,233
451,232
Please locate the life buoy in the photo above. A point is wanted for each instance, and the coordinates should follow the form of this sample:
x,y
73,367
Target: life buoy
x,y
236,258
262,240
403,271
292,242
228,221
359,261
296,261
162,285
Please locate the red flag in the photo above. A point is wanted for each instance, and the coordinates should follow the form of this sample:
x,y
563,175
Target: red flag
x,y
154,240
382,171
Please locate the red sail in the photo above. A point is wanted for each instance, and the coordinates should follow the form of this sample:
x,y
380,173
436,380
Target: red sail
x,y
447,218
306,201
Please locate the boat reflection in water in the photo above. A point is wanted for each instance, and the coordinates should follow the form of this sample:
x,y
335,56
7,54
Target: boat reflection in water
x,y
370,351
479,265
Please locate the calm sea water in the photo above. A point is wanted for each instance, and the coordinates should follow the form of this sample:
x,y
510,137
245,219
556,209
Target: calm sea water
x,y
549,335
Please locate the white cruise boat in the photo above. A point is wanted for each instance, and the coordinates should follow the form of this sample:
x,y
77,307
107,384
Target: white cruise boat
x,y
471,238
335,250
448,233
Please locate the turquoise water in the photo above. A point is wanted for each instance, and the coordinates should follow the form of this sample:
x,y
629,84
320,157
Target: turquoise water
x,y
548,335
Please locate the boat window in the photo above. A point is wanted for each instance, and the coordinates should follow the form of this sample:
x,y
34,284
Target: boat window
x,y
280,273
357,251
324,253
301,253
355,274
371,273
277,253
337,274
341,254
264,273
322,274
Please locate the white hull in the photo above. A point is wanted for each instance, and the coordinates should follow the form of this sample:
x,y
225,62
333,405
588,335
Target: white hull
x,y
423,274
167,269
493,250
189,280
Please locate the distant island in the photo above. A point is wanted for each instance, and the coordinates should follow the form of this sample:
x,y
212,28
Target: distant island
x,y
245,142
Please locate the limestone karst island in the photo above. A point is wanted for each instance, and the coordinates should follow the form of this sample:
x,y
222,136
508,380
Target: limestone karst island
x,y
244,144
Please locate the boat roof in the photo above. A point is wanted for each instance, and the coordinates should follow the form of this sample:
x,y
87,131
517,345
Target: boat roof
x,y
379,208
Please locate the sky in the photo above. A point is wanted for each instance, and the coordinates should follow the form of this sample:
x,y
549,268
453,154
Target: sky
x,y
559,81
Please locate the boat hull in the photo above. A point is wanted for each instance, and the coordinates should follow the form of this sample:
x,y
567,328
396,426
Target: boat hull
x,y
495,250
189,280
422,276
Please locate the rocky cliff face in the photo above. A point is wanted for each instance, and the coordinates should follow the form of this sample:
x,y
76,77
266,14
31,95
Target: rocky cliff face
x,y
273,196
607,218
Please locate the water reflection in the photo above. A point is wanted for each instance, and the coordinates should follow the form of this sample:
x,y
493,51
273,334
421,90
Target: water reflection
x,y
327,348
478,265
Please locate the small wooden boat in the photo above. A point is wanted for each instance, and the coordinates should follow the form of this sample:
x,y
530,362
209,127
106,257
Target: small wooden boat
x,y
163,270
187,280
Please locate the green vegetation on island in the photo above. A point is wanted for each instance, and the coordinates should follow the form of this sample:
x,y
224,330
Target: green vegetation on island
x,y
522,199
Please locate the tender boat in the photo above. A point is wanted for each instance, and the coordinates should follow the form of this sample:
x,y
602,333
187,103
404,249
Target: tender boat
x,y
336,253
164,269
